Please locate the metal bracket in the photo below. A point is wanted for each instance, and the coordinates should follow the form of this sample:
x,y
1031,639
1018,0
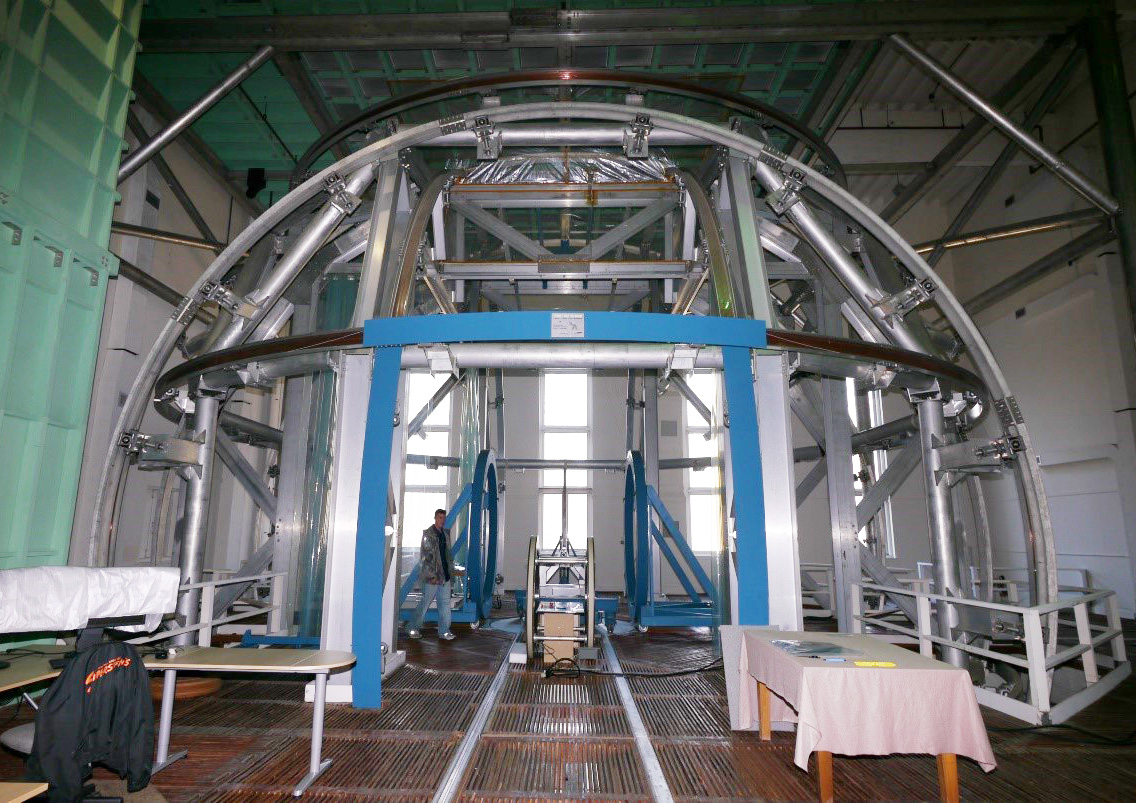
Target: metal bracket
x,y
161,451
1009,414
341,198
907,299
973,457
440,359
635,137
788,195
449,125
681,358
488,139
227,299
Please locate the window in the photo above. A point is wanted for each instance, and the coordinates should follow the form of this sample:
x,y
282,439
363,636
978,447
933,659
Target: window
x,y
427,489
565,434
703,486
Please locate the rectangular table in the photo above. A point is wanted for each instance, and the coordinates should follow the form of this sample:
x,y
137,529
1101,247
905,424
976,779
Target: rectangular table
x,y
908,704
29,669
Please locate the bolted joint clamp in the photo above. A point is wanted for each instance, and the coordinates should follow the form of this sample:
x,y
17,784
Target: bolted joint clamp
x,y
227,299
341,198
488,139
907,299
635,137
788,195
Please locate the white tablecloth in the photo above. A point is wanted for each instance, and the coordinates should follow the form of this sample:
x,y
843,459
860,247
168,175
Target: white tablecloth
x,y
50,598
919,706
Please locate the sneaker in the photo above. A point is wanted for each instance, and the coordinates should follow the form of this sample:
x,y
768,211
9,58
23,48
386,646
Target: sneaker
x,y
447,636
414,633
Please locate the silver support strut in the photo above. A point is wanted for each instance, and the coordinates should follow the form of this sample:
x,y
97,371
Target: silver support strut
x,y
145,152
1076,180
940,515
195,515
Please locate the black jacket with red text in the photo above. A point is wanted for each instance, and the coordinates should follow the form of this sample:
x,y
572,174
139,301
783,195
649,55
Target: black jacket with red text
x,y
97,710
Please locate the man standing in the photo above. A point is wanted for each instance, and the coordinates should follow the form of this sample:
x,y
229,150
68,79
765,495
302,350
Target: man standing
x,y
435,572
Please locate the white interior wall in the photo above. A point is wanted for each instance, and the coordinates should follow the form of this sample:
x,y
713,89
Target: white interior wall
x,y
1057,341
131,322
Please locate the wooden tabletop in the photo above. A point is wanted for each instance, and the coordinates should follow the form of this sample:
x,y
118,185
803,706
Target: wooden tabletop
x,y
26,670
220,659
15,791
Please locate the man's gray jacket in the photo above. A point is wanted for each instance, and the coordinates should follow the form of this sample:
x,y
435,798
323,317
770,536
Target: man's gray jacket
x,y
431,570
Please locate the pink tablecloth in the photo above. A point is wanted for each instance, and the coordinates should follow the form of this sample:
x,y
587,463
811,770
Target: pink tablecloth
x,y
919,706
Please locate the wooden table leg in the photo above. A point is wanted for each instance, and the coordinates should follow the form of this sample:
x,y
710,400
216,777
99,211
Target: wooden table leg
x,y
948,778
824,773
766,728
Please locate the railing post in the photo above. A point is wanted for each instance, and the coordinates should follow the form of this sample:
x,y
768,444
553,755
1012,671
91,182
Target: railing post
x,y
275,616
205,618
855,600
1118,653
923,609
1085,637
1035,655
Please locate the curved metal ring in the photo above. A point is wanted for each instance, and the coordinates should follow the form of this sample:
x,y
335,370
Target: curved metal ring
x,y
575,77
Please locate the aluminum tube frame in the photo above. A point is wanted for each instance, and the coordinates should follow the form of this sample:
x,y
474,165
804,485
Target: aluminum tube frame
x,y
255,430
1075,179
145,152
995,171
688,393
246,475
501,230
1037,510
838,260
887,484
441,393
1064,220
619,234
554,136
940,517
196,515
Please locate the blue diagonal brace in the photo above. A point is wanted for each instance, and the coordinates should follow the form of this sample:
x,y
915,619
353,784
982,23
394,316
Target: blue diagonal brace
x,y
669,554
671,526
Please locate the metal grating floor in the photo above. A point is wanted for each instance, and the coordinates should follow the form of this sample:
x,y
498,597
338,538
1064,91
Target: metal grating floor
x,y
569,739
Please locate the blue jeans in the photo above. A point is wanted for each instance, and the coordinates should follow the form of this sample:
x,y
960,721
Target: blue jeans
x,y
431,592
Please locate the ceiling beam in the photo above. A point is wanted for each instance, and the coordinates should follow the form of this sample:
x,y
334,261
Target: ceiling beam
x,y
160,109
292,68
554,27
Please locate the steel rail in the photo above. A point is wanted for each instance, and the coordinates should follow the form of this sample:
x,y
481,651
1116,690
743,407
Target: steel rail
x,y
912,362
736,101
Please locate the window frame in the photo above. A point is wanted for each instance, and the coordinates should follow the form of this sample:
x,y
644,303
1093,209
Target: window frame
x,y
694,424
544,490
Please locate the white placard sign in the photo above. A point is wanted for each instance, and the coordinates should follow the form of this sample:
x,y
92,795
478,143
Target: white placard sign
x,y
567,324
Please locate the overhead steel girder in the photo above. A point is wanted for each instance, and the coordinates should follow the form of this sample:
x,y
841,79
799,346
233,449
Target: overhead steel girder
x,y
564,268
563,196
501,230
619,234
824,186
550,27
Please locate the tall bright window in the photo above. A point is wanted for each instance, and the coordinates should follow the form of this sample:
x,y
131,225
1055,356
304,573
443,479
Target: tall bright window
x,y
426,489
565,434
703,486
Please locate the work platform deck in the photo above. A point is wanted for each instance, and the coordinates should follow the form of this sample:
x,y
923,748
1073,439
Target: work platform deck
x,y
570,739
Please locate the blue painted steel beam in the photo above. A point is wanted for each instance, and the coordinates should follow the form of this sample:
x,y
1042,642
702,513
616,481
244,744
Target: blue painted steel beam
x,y
370,542
749,495
513,327
669,554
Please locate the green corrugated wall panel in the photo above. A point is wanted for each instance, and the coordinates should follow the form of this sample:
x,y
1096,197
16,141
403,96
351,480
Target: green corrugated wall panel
x,y
65,70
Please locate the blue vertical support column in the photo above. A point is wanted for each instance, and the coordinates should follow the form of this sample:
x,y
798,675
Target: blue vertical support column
x,y
370,543
749,496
